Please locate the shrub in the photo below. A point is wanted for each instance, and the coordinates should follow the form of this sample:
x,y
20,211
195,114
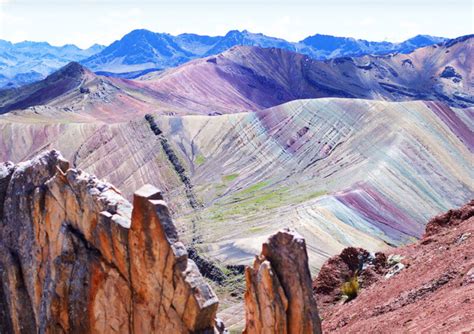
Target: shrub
x,y
350,289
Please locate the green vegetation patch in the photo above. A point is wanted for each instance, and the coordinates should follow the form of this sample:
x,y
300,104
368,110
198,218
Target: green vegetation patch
x,y
254,200
304,198
253,188
230,177
256,229
200,159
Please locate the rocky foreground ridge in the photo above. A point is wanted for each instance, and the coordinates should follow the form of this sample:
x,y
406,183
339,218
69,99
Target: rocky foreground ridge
x,y
76,257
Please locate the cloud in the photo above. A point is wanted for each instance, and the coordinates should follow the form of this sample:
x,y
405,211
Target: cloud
x,y
409,25
16,25
368,21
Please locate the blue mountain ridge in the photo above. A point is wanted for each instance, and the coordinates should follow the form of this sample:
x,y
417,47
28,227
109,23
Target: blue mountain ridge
x,y
26,62
142,51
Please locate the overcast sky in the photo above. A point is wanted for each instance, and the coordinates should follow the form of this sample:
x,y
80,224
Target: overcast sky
x,y
84,22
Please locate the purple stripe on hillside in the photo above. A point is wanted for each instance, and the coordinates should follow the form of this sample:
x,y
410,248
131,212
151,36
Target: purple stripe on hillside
x,y
378,210
280,127
455,124
289,132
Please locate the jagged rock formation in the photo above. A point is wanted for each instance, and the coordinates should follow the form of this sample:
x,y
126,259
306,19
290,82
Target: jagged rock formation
x,y
431,290
174,160
278,297
75,257
170,295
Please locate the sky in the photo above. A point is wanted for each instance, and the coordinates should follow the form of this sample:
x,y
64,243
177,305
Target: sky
x,y
85,22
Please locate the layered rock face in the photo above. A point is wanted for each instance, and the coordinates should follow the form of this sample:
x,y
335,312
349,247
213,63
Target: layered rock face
x,y
278,297
303,164
169,293
76,257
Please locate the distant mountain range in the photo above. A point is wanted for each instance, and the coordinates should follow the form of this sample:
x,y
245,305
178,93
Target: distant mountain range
x,y
252,78
25,62
142,51
249,78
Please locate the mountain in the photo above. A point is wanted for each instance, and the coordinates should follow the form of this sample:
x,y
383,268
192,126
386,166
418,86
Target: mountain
x,y
305,164
60,82
284,153
253,78
326,46
74,88
142,51
196,44
139,50
82,93
353,165
145,50
26,62
241,38
417,42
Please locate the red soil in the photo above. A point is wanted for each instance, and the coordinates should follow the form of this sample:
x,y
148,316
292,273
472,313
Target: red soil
x,y
434,293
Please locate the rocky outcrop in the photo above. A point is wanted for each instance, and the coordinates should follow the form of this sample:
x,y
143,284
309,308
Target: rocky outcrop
x,y
341,268
175,162
278,298
449,219
169,293
76,257
450,72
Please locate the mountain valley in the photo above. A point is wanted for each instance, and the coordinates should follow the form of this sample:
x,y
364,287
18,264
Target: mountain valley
x,y
315,147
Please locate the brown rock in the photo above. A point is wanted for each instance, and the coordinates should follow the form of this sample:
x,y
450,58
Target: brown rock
x,y
69,263
278,298
170,295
